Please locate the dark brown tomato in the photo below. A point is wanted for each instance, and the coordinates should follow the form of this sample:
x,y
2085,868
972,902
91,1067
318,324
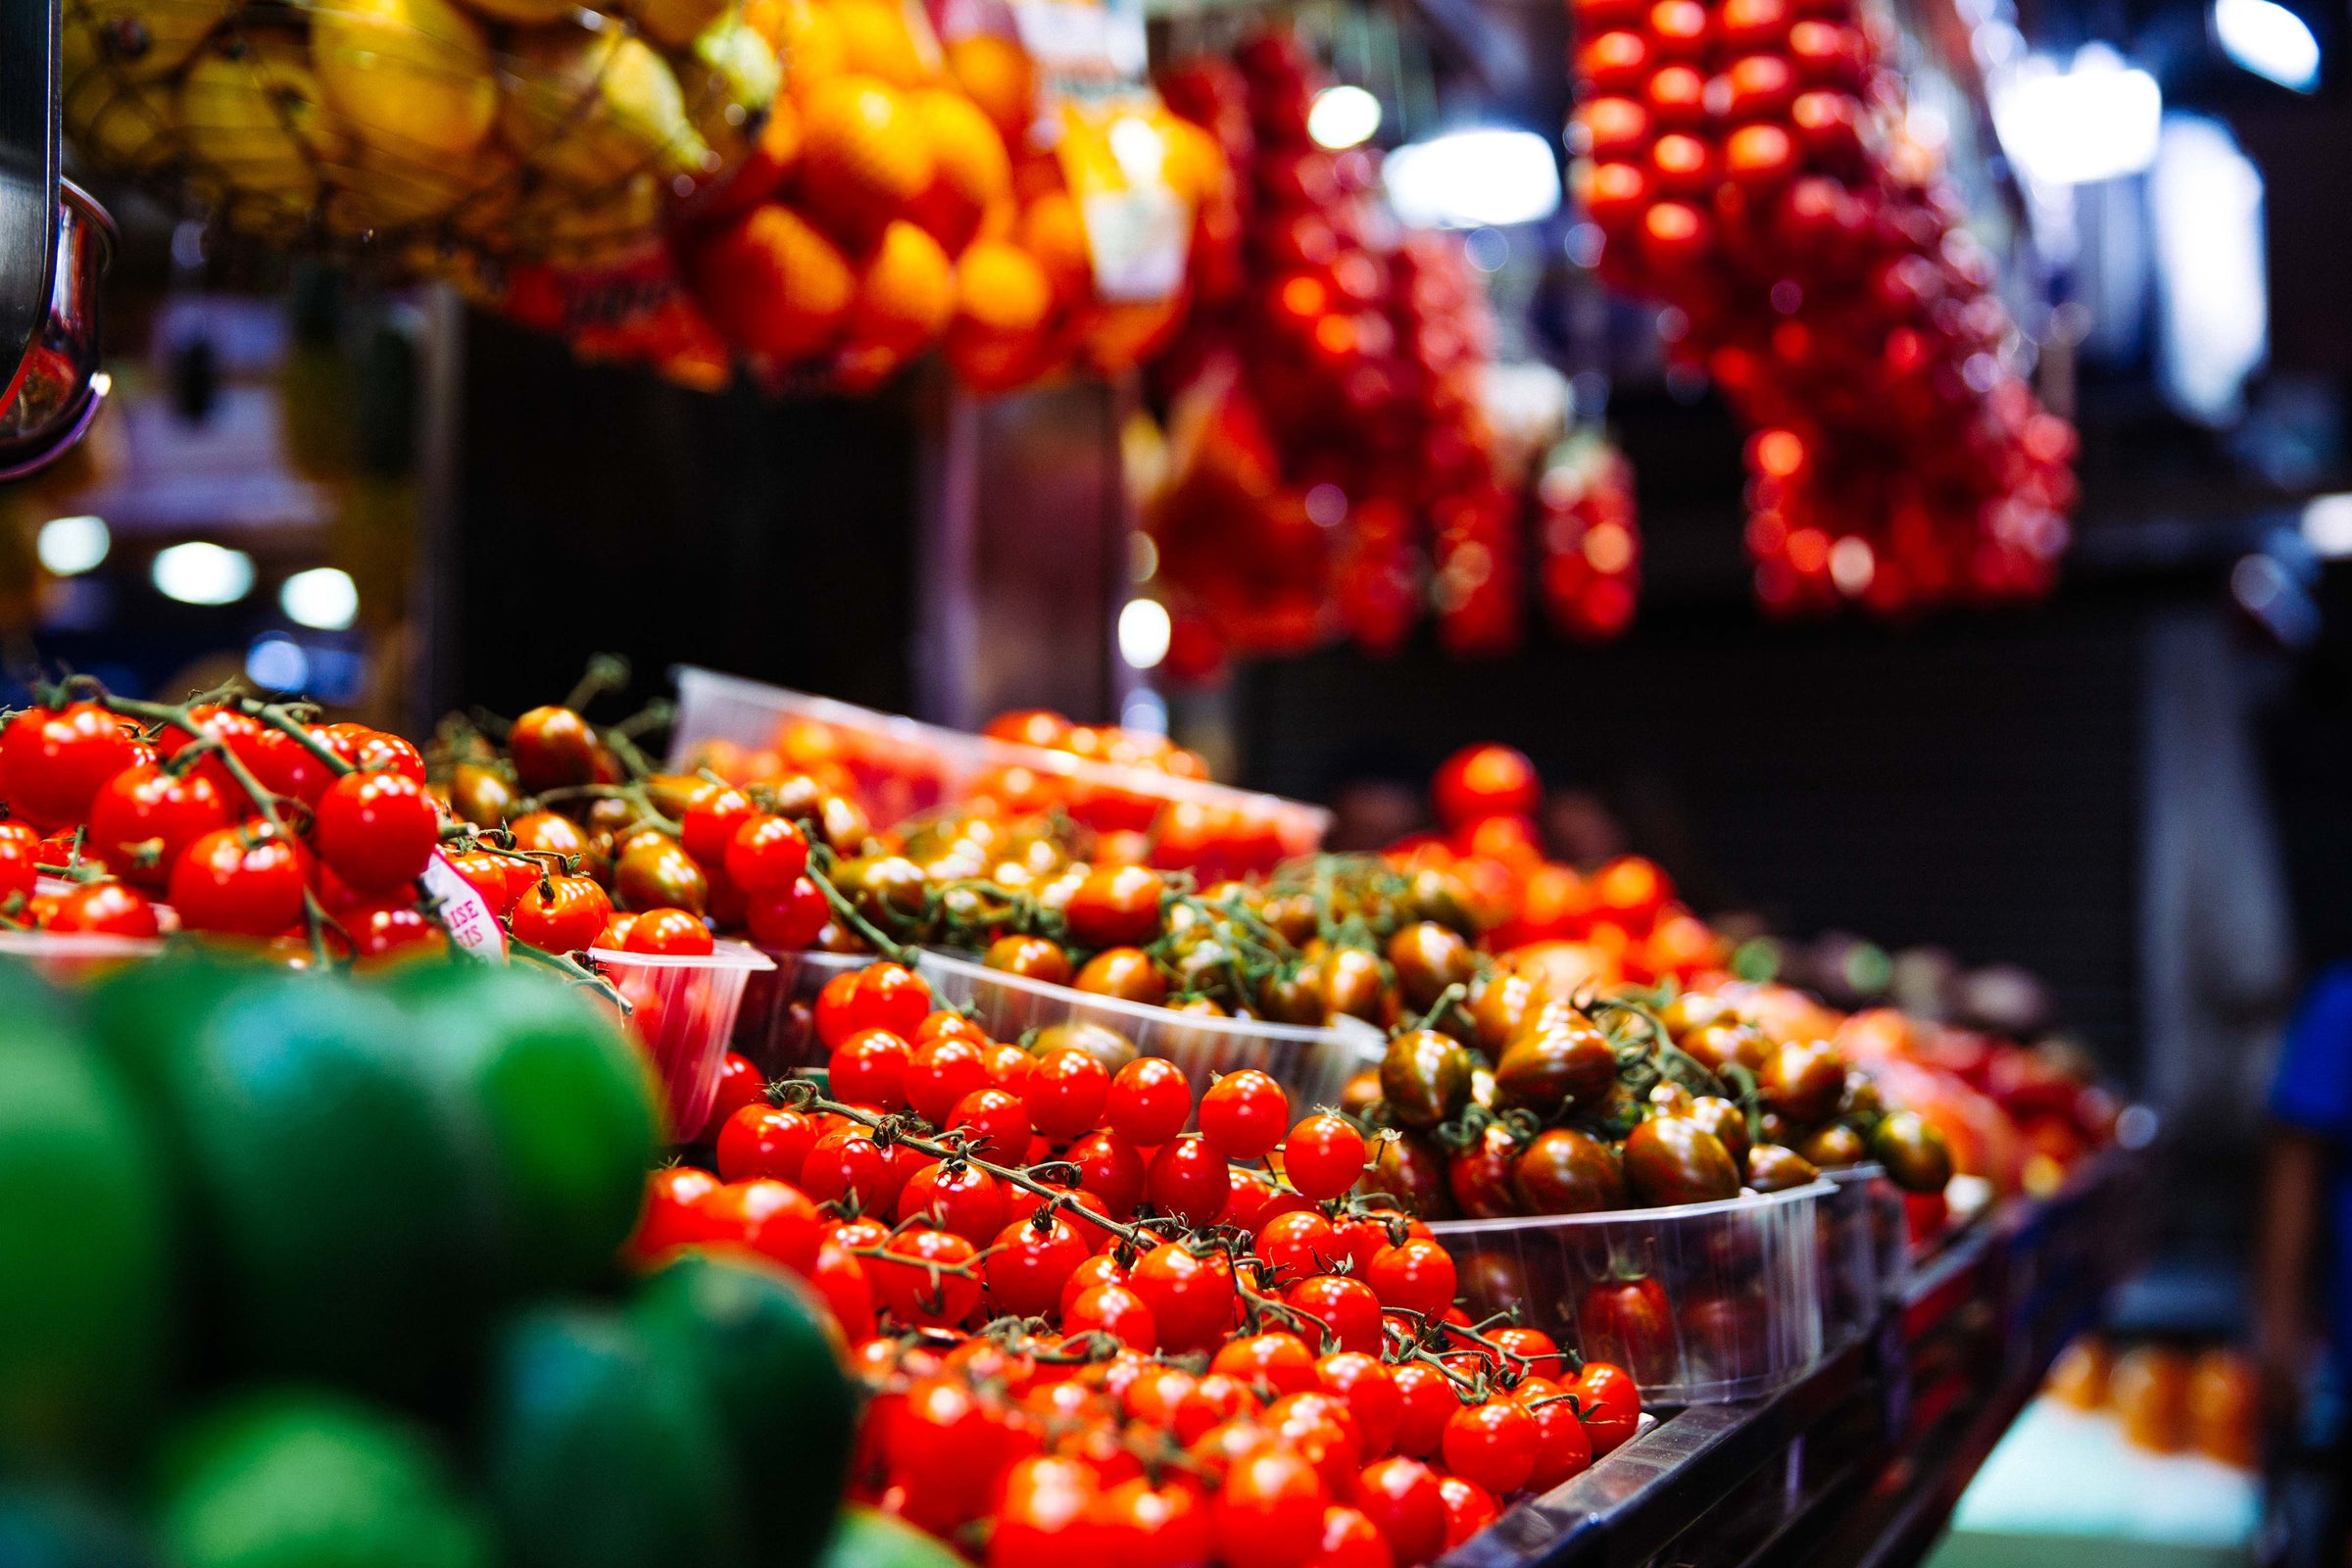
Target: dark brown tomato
x,y
552,747
1672,1159
1409,1169
1293,915
1629,1323
1104,1043
1127,973
1479,1176
1724,1336
1564,1171
1804,1080
1726,1045
609,813
1031,958
1428,957
1860,1104
1354,985
1916,1156
887,889
1291,996
1559,1059
1502,1010
547,833
1772,1168
657,873
1669,1099
797,797
1727,1121
1772,1128
672,793
1440,895
483,796
834,937
1482,1085
1692,1009
843,822
1361,1091
1425,1077
1834,1145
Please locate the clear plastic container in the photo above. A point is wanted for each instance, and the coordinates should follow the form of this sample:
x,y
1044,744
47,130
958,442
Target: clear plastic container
x,y
1864,1253
1311,1064
904,766
1704,1304
69,957
774,1032
682,1011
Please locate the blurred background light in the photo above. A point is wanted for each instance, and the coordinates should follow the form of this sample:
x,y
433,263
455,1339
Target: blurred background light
x,y
1144,633
1345,116
2205,200
203,574
70,545
277,663
324,597
2268,40
2098,119
1469,179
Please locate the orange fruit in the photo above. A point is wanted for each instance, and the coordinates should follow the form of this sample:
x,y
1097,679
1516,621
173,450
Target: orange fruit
x,y
774,283
864,157
972,168
879,40
1053,232
907,294
1001,288
996,75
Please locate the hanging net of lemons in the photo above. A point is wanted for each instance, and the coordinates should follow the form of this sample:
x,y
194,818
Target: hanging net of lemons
x,y
438,134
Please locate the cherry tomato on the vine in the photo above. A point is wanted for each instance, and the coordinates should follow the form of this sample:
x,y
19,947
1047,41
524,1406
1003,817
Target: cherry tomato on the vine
x,y
55,761
766,855
1187,1179
377,830
741,1083
1149,1101
1611,1404
880,996
710,820
1345,1308
1418,1276
1029,1265
1270,1512
763,1216
107,908
1114,906
923,1279
144,817
763,1140
1323,1157
790,919
870,1068
670,933
375,751
1401,1495
670,1218
1066,1092
1243,1113
246,881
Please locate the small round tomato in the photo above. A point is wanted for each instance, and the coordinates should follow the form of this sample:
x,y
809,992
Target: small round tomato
x,y
1298,1245
143,816
766,855
769,1217
847,1165
385,928
1191,1297
840,1277
924,1279
994,1124
790,919
1488,780
615,938
57,762
941,1071
283,764
241,735
1040,1512
1219,1398
1151,1527
1115,907
955,1196
1115,1310
375,751
1066,1091
1323,1157
500,881
1187,1179
1128,974
1280,1360
1469,1508
19,871
560,914
552,747
1350,1540
1363,1380
1418,1276
1243,1115
108,909
246,881
1427,1402
1346,1309
1629,1323
1270,1512
1563,1448
763,1140
670,1218
654,872
1100,1268
741,1083
1401,1495
710,822
870,1068
1149,1101
1032,957
1029,1264
1111,1168
671,933
1610,1402
377,830
880,996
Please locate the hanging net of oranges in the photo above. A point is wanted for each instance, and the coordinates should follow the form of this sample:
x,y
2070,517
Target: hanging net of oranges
x,y
438,135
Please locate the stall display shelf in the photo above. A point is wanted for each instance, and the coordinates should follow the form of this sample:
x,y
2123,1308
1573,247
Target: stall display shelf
x,y
1859,1463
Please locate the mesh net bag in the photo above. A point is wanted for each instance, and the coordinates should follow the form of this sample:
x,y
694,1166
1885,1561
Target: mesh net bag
x,y
446,136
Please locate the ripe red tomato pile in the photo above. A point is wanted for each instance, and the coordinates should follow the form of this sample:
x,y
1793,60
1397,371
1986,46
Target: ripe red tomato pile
x,y
1345,370
1089,1330
1747,163
250,824
1588,539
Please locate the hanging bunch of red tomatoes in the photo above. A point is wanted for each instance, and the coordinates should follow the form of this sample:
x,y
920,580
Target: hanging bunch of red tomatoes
x,y
1587,538
227,817
1746,162
1100,1320
1339,478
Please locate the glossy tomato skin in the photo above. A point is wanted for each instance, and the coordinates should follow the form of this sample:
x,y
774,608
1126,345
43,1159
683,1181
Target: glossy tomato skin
x,y
771,1219
55,761
1480,1175
500,881
108,909
1187,1179
912,1282
1149,1101
244,881
1565,1171
144,817
375,751
1126,973
1417,1275
1495,1445
283,764
1672,1159
1629,1323
377,830
670,933
1033,957
1324,1157
870,1068
552,747
1031,1263
789,921
767,855
880,996
1066,1092
1469,1508
560,914
240,735
670,1218
1115,907
1270,1512
1347,1310
1401,1495
763,1140
1191,1296
1486,781
1243,1115
1611,1404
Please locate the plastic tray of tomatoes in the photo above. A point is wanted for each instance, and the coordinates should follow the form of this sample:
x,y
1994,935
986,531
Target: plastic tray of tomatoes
x,y
902,767
1704,1304
1313,1064
776,1027
1864,1254
682,1010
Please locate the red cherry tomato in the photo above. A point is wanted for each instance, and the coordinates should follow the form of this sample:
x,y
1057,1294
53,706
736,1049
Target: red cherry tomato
x,y
880,996
1488,780
790,919
1610,1402
769,1217
1243,1113
670,1218
1066,1092
560,914
1350,1540
941,1072
388,927
923,1280
763,1140
1298,1245
847,1165
1418,1276
1149,1101
1192,1297
283,764
1563,1448
57,762
107,908
711,818
373,750
242,736
1402,1497
144,817
1282,1361
1030,1265
1469,1508
1323,1157
994,1122
376,830
1115,1310
870,1068
1270,1512
500,881
840,1277
741,1083
1428,1402
246,881
1345,1308
766,855
1187,1179
1494,1444
1110,1167
957,1197
670,933
1115,907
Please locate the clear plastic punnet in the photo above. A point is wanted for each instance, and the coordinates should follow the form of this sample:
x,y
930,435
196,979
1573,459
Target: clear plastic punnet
x,y
1864,1254
902,767
1311,1064
71,956
682,1010
1704,1303
774,1034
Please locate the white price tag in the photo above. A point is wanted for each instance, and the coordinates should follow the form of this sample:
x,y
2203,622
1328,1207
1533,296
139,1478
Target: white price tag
x,y
472,923
1140,239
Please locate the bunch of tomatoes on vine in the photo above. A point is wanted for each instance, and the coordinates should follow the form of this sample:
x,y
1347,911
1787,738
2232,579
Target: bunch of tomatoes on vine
x,y
1099,1317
